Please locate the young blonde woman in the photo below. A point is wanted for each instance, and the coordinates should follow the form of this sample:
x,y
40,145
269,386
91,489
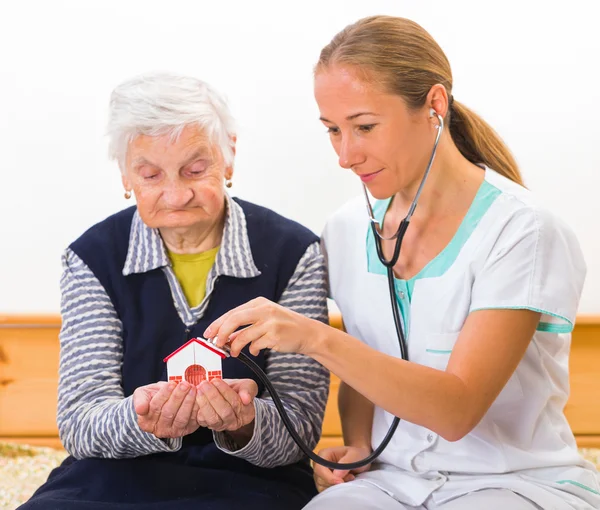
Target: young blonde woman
x,y
487,283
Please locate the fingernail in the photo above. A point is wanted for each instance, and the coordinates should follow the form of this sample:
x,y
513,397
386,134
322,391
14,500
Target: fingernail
x,y
207,333
183,386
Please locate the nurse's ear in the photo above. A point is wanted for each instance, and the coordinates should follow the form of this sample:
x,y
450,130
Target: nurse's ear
x,y
438,100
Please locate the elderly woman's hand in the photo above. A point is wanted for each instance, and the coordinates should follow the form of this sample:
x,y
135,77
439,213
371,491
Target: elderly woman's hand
x,y
167,410
268,325
227,405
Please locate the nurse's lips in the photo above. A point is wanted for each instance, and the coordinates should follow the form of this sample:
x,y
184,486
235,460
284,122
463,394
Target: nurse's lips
x,y
369,177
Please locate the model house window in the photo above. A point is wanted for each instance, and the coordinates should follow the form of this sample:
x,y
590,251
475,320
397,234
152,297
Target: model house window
x,y
195,374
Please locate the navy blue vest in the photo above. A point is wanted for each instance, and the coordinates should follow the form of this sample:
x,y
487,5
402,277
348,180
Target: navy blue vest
x,y
199,475
152,328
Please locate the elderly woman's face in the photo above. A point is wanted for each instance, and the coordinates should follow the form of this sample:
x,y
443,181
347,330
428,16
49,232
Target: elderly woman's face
x,y
177,184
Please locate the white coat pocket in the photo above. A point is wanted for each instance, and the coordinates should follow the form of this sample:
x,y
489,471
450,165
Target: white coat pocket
x,y
438,348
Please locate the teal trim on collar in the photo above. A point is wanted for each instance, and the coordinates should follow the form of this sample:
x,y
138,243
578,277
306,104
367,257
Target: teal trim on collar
x,y
374,265
485,197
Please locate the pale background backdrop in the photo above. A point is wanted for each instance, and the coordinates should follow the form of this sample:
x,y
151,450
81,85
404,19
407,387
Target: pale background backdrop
x,y
530,68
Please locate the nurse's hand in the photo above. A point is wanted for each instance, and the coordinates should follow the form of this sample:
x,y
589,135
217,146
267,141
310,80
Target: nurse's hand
x,y
325,477
166,409
268,326
227,405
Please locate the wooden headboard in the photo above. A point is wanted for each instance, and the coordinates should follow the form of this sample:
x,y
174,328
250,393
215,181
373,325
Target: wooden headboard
x,y
29,377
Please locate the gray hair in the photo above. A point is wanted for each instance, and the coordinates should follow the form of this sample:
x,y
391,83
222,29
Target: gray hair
x,y
156,104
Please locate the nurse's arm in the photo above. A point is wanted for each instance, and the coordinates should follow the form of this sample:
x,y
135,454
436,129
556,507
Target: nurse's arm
x,y
356,415
451,402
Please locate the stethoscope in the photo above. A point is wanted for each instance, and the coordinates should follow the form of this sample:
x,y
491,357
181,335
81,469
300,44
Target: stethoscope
x,y
389,264
399,236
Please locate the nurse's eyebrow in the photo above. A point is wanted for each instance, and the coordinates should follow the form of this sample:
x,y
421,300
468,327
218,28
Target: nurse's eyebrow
x,y
351,117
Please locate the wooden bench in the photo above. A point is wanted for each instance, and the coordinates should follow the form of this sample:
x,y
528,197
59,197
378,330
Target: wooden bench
x,y
29,378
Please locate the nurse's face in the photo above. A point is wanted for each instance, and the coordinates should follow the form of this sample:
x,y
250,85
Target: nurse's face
x,y
373,132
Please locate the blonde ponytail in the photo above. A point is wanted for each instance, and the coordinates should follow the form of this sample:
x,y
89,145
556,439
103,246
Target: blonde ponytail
x,y
479,143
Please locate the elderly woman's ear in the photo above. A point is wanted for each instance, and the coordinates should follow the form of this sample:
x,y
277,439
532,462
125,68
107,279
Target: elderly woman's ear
x,y
126,185
229,169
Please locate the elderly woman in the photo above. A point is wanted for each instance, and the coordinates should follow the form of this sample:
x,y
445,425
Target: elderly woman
x,y
143,282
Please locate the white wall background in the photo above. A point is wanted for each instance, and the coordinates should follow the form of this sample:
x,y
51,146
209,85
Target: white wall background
x,y
530,68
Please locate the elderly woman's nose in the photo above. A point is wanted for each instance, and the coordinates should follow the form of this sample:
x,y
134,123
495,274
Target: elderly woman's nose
x,y
177,194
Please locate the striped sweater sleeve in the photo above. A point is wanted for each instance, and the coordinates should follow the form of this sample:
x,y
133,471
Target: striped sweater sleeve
x,y
302,383
94,417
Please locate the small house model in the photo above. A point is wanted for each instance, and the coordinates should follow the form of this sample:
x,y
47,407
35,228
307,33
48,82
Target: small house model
x,y
195,361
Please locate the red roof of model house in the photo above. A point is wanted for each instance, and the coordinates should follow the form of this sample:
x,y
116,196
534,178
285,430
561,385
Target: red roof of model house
x,y
204,344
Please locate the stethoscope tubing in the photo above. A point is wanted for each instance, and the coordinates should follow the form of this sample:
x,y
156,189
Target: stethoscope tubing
x,y
389,264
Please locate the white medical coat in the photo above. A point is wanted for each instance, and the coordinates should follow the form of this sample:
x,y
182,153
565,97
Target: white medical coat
x,y
508,253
